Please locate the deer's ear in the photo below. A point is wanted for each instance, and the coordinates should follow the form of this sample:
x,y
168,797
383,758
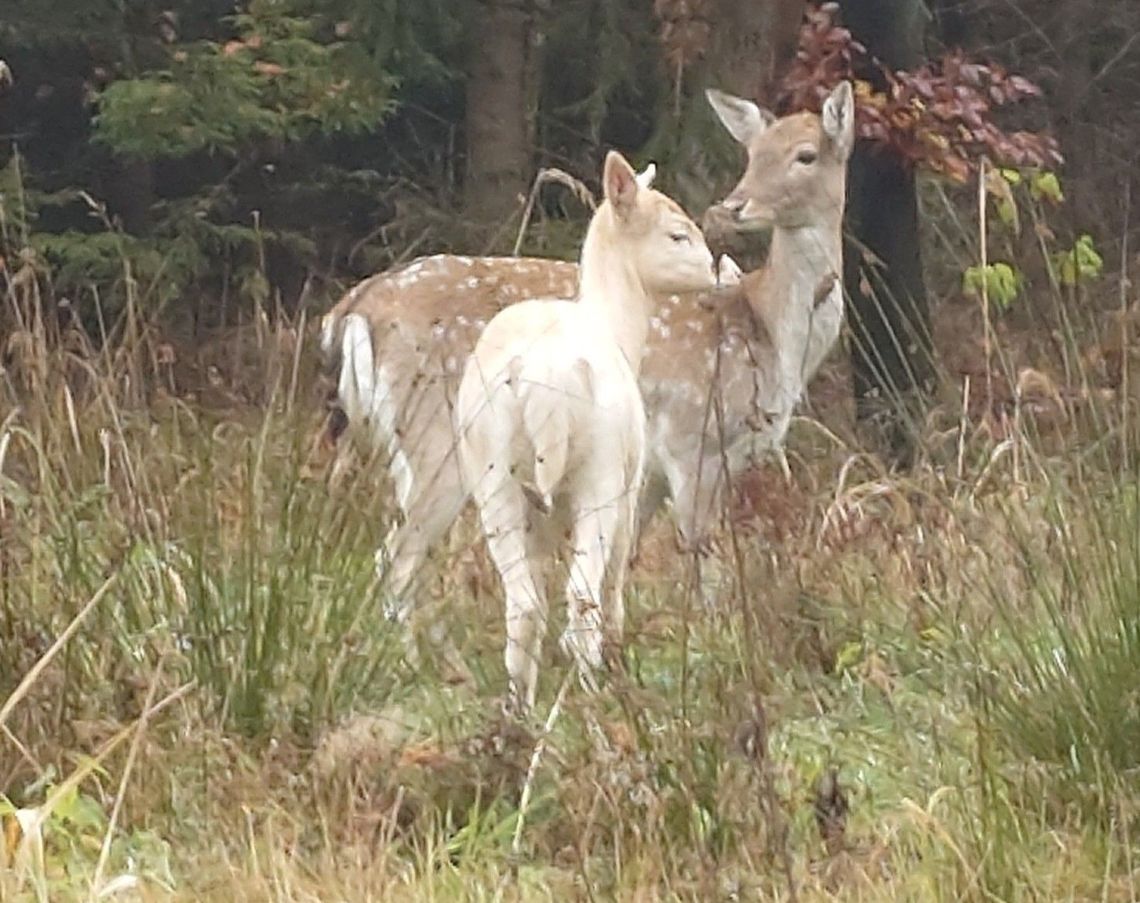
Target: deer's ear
x,y
646,176
743,119
838,118
620,183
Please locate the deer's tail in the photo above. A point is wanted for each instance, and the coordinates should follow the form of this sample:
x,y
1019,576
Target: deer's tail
x,y
548,421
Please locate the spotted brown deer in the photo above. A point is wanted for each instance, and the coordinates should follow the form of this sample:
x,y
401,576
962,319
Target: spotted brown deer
x,y
722,372
551,424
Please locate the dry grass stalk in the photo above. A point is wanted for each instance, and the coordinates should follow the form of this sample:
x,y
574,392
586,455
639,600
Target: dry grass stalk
x,y
556,176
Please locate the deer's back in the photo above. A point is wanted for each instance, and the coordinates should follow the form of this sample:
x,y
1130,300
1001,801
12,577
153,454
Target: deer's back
x,y
427,317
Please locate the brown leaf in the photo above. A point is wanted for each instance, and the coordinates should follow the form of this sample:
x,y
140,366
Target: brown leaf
x,y
957,168
621,737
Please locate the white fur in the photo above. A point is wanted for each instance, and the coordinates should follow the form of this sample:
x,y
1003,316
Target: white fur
x,y
358,368
743,119
366,392
728,271
552,426
838,116
646,176
681,460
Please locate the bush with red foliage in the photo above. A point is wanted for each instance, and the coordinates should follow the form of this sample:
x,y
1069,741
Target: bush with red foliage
x,y
939,116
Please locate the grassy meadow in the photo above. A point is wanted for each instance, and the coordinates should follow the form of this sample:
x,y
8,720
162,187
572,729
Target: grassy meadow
x,y
915,686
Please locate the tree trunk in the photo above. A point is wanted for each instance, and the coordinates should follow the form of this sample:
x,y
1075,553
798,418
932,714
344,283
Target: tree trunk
x,y
752,42
500,109
130,193
891,355
892,358
750,45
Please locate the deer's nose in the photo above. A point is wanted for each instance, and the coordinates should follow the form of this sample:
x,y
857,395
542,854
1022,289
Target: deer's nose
x,y
733,205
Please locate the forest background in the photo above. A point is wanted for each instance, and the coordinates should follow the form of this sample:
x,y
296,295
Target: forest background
x,y
923,686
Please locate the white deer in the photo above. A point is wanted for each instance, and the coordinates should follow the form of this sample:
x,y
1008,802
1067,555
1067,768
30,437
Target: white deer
x,y
399,341
552,426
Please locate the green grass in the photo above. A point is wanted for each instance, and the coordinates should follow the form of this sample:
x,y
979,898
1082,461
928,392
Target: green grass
x,y
964,652
1062,689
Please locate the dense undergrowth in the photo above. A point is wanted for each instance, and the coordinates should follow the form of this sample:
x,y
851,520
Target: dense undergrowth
x,y
916,686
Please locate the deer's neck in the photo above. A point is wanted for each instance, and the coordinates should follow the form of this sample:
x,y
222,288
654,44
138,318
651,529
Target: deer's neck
x,y
801,262
613,293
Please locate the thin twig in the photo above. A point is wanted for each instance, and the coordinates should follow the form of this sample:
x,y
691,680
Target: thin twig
x,y
132,754
962,423
32,842
294,377
987,339
559,177
23,750
1112,61
539,748
528,784
30,678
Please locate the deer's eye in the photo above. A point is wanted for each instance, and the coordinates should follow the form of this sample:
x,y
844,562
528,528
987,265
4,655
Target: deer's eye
x,y
679,237
806,156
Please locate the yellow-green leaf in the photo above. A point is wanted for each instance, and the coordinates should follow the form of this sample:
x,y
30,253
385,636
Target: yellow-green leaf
x,y
1046,185
849,655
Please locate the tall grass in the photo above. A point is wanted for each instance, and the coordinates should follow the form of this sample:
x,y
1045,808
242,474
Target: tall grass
x,y
1064,684
249,573
959,644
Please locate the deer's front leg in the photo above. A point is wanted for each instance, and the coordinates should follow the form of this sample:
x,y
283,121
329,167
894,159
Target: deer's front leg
x,y
698,506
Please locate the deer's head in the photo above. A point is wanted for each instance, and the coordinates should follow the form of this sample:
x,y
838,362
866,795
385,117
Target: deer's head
x,y
651,231
796,172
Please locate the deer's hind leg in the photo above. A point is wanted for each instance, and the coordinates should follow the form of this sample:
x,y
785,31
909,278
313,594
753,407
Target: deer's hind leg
x,y
427,514
429,491
602,526
515,547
